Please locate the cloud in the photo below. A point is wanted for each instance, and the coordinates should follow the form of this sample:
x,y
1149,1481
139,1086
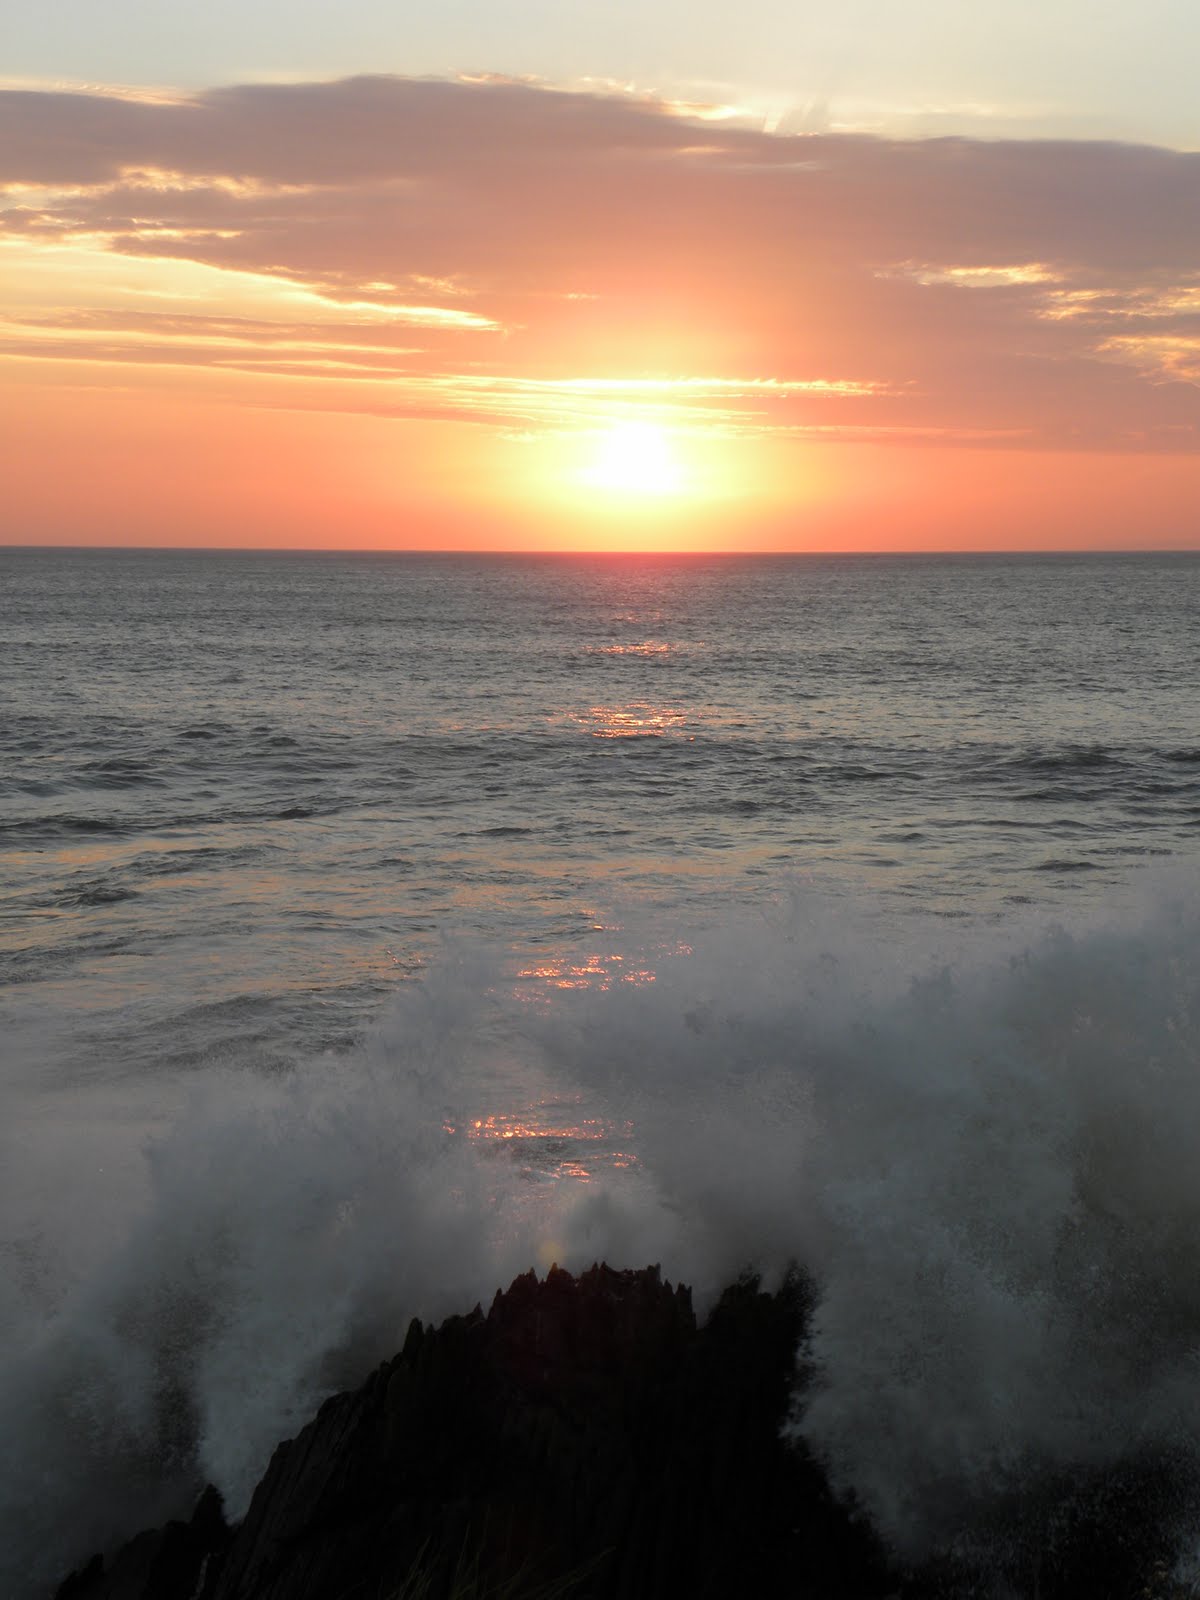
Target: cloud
x,y
503,252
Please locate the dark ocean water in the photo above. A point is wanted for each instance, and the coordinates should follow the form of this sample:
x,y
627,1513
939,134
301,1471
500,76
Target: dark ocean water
x,y
371,926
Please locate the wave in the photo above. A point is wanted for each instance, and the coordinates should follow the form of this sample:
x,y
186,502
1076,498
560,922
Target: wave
x,y
985,1155
51,828
1070,758
102,891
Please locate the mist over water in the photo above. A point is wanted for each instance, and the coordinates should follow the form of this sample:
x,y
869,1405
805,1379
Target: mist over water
x,y
385,996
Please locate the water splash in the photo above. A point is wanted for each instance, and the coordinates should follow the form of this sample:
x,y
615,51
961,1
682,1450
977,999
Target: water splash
x,y
985,1154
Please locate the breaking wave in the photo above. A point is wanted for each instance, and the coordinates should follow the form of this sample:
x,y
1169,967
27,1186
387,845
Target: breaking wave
x,y
985,1153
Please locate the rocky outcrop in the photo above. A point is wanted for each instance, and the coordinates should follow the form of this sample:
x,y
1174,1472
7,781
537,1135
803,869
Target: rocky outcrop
x,y
584,1429
585,1438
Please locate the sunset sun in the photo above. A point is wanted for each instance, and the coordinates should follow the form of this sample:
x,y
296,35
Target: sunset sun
x,y
635,458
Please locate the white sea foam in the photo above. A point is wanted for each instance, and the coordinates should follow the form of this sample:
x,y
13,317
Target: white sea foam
x,y
985,1151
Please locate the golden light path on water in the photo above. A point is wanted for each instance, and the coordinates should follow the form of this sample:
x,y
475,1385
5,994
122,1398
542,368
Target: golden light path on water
x,y
595,971
648,647
548,1138
546,1141
542,1137
556,1137
637,718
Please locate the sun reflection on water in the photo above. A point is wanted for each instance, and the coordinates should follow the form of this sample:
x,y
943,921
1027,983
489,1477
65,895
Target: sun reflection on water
x,y
525,1125
547,1144
555,1138
599,970
647,647
636,719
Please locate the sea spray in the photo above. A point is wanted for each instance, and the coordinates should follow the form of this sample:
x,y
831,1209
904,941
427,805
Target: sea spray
x,y
982,1144
290,1226
1009,1194
987,1155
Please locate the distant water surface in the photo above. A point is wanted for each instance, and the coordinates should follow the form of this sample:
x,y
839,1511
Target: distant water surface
x,y
240,794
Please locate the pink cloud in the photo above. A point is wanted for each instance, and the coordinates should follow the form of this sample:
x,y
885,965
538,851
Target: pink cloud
x,y
935,288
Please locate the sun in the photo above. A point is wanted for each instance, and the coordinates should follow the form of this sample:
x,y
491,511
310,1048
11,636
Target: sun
x,y
635,458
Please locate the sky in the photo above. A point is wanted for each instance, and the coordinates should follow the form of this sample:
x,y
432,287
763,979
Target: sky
x,y
523,276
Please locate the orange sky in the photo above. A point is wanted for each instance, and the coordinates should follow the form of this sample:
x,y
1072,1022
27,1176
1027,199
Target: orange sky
x,y
399,313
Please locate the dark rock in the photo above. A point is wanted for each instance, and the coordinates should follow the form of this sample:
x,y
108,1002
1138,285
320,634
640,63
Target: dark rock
x,y
167,1563
585,1433
584,1429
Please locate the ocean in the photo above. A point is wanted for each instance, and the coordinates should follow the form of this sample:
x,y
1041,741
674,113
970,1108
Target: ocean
x,y
373,927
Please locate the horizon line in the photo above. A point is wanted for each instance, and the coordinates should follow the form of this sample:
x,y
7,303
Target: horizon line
x,y
420,550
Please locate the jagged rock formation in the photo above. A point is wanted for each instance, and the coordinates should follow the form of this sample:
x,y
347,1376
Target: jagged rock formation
x,y
587,1439
583,1428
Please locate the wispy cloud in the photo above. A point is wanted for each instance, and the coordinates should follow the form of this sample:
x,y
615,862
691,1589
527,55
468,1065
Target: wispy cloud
x,y
494,251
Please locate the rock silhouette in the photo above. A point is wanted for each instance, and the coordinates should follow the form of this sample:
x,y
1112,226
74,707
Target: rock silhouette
x,y
584,1429
587,1438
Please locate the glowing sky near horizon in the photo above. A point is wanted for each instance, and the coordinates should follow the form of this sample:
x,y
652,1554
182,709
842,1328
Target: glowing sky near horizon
x,y
345,275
